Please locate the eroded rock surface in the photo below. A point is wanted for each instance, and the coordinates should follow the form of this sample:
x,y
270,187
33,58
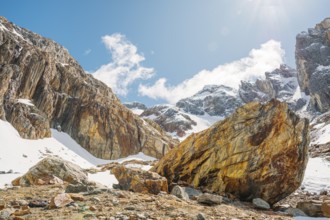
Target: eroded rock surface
x,y
313,65
41,71
260,151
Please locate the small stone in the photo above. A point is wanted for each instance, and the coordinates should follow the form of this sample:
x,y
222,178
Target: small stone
x,y
95,199
60,201
130,208
92,208
209,199
179,192
24,211
260,204
201,216
76,196
2,204
38,203
77,188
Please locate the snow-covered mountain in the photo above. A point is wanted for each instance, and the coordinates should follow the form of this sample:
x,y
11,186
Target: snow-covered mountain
x,y
216,102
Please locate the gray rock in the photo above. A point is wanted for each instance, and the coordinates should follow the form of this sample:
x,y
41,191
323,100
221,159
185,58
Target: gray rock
x,y
77,188
209,199
313,61
179,192
201,216
192,193
5,213
135,105
294,212
260,204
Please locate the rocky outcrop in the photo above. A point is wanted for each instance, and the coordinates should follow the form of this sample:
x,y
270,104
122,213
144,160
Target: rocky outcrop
x,y
38,69
260,151
138,180
170,118
280,84
49,169
313,65
215,100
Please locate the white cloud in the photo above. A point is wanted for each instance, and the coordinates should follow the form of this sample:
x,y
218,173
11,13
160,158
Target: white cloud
x,y
125,67
268,57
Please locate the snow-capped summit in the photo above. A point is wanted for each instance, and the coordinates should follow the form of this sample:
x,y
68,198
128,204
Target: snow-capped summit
x,y
215,100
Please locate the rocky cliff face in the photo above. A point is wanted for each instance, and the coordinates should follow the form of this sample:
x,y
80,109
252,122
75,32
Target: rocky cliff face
x,y
63,95
313,65
280,84
260,151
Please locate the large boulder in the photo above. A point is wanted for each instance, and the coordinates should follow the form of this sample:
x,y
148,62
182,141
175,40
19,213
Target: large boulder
x,y
52,168
137,180
62,95
260,151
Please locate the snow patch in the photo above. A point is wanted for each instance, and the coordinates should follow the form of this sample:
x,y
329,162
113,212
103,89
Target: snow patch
x,y
317,175
25,101
20,154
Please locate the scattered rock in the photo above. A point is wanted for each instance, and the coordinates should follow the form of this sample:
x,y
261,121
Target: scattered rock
x,y
258,151
23,211
92,208
209,199
201,216
76,197
311,208
49,167
5,213
38,203
179,192
2,204
294,212
138,180
192,193
77,188
60,200
260,204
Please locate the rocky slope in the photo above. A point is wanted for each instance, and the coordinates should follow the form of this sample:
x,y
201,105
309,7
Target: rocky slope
x,y
313,65
42,86
258,151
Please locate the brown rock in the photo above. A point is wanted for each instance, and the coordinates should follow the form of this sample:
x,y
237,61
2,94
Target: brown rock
x,y
138,180
60,201
311,208
325,207
92,208
260,151
44,172
23,211
66,97
76,196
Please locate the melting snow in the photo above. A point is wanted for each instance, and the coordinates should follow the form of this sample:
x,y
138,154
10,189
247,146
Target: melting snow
x,y
18,154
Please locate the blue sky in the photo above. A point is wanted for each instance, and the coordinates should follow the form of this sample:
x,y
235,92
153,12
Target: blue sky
x,y
172,45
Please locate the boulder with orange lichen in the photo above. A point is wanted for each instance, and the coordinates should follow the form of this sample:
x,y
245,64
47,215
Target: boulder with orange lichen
x,y
260,151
